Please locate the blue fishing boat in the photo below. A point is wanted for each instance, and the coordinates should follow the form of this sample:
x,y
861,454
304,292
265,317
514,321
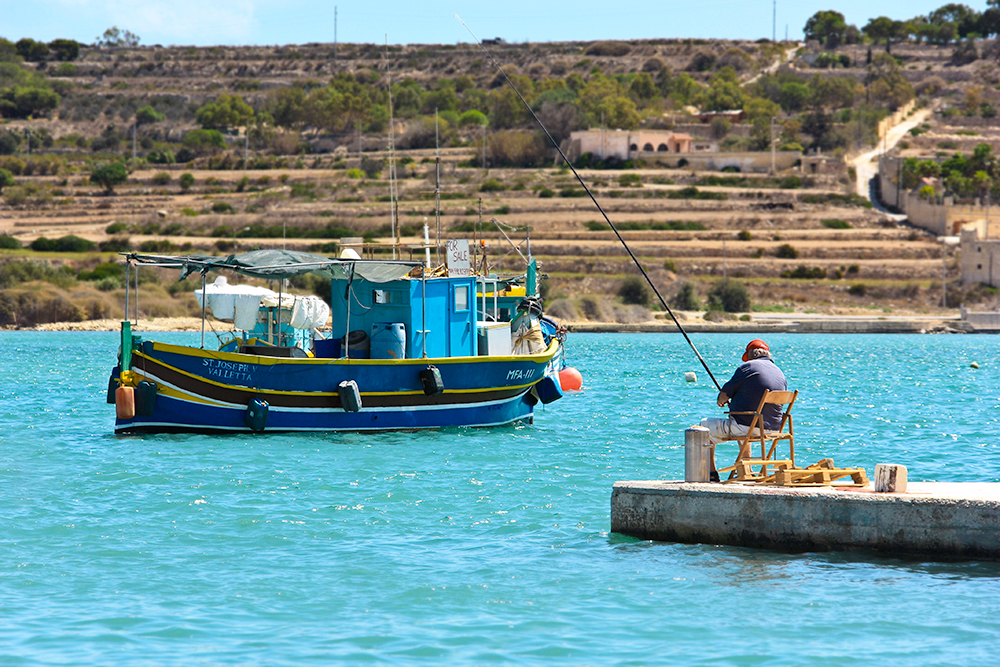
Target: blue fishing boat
x,y
396,348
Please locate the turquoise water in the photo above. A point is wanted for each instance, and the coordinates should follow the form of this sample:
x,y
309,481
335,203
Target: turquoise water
x,y
474,547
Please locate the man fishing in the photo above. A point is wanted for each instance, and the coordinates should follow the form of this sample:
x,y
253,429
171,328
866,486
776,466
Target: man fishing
x,y
743,392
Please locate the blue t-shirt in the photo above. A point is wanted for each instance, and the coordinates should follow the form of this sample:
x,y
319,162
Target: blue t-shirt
x,y
747,386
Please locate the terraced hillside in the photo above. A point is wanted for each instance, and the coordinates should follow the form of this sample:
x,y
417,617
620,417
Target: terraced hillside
x,y
797,242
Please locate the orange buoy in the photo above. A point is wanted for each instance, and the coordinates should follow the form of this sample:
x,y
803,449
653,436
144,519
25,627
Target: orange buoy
x,y
570,379
125,402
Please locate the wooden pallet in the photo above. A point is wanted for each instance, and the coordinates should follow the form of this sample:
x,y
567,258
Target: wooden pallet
x,y
821,473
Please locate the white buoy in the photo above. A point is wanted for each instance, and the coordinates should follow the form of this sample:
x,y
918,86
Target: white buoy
x,y
690,376
974,365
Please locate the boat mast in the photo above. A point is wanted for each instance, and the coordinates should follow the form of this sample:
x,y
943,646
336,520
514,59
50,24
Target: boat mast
x,y
437,188
392,154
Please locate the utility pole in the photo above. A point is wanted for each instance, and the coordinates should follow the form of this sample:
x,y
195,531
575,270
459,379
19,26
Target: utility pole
x,y
773,171
774,20
944,273
484,142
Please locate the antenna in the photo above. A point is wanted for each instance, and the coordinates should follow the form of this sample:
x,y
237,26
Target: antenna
x,y
392,153
437,189
774,20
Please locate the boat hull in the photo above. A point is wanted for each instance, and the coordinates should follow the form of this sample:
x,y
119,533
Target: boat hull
x,y
209,391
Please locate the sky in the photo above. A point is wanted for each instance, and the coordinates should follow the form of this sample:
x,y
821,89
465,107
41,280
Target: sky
x,y
277,22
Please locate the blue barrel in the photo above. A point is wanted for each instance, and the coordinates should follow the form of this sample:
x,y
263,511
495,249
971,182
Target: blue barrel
x,y
256,415
145,398
388,340
548,389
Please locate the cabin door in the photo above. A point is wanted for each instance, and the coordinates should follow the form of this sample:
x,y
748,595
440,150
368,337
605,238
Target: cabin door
x,y
461,327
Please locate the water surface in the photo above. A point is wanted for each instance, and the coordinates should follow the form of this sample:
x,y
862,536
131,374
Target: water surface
x,y
476,547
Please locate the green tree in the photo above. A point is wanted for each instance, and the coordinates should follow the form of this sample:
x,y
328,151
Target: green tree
x,y
25,101
186,181
65,49
204,141
109,175
225,112
147,115
828,27
6,178
113,36
31,50
724,92
884,29
633,290
729,295
686,298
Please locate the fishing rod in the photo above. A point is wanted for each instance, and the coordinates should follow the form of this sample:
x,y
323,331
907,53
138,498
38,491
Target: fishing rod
x,y
593,199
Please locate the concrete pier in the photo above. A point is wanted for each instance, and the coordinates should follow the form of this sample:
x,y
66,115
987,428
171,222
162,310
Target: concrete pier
x,y
932,519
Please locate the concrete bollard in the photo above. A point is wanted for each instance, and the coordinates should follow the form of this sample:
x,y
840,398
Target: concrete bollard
x,y
697,454
890,478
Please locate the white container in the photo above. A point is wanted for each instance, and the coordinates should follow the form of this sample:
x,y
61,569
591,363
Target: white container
x,y
494,339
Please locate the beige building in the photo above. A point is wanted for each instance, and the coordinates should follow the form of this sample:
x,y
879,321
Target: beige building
x,y
980,260
627,144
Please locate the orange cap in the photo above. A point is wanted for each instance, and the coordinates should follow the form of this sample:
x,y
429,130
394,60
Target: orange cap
x,y
756,344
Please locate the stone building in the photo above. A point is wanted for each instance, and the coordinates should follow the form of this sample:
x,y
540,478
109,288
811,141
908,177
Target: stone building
x,y
980,260
626,144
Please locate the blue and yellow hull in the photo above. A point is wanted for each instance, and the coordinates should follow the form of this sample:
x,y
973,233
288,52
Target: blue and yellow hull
x,y
209,391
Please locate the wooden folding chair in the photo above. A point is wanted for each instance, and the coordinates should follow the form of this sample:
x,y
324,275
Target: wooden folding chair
x,y
742,470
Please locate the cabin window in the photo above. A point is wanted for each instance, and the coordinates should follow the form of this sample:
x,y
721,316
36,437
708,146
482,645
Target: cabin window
x,y
461,297
388,296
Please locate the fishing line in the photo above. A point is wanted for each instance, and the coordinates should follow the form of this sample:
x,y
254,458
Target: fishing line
x,y
593,199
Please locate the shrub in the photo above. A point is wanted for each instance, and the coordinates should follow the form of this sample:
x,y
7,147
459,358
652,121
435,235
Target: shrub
x,y
204,141
222,207
186,181
355,173
790,183
115,228
102,271
802,272
730,296
630,180
69,243
6,178
372,168
593,309
744,235
858,289
633,290
161,156
8,242
836,224
546,193
786,251
161,178
492,185
686,298
608,49
109,175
